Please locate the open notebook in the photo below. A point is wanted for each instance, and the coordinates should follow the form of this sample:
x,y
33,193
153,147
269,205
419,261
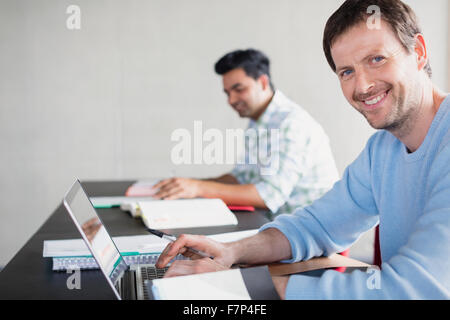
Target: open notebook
x,y
170,214
186,213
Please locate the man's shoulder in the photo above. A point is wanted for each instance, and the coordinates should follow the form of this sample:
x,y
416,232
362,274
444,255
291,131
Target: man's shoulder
x,y
285,105
287,113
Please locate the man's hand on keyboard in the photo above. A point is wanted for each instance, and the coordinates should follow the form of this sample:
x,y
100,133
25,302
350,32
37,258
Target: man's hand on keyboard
x,y
222,257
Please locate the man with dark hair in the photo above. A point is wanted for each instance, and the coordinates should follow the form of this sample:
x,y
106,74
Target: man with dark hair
x,y
253,62
400,181
299,166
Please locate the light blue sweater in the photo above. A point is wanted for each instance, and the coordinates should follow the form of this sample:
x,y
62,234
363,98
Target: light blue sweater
x,y
408,195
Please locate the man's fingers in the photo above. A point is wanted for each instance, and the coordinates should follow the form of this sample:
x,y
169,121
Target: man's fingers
x,y
175,193
185,267
159,184
166,189
180,247
188,240
164,257
162,183
180,268
168,254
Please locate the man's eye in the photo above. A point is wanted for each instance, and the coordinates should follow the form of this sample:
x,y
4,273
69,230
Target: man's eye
x,y
377,59
346,73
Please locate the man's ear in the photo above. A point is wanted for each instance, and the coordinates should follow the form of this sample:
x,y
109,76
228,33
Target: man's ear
x,y
420,51
265,82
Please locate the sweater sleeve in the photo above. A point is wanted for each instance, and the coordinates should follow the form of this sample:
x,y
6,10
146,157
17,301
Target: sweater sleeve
x,y
335,221
419,270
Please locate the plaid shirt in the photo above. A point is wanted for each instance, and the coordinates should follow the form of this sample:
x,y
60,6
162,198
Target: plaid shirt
x,y
294,163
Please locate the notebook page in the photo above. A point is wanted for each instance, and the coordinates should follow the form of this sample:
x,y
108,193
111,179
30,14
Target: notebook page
x,y
187,213
222,285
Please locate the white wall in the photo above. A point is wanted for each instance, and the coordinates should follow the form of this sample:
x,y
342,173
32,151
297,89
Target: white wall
x,y
102,102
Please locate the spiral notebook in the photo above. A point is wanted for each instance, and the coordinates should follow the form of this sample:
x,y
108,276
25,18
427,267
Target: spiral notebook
x,y
87,263
140,249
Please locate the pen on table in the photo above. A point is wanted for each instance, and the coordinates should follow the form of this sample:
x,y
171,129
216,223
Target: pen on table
x,y
173,239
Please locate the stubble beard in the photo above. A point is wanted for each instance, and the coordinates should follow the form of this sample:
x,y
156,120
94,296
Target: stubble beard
x,y
401,118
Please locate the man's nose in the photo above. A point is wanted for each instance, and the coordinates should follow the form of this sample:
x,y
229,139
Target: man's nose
x,y
232,99
364,83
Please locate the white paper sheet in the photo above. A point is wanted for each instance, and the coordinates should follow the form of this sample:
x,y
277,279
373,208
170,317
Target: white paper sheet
x,y
222,285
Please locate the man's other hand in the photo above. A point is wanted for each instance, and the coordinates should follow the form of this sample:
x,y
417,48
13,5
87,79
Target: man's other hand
x,y
177,188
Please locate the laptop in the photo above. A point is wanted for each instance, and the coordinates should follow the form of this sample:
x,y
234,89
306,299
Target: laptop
x,y
128,281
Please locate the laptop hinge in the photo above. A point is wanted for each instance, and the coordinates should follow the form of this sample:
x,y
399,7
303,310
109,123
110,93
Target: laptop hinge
x,y
129,284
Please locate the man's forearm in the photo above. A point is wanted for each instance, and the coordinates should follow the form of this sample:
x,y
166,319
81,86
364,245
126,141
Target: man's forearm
x,y
226,178
233,194
267,246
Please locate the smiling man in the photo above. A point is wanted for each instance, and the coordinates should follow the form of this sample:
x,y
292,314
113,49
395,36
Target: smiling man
x,y
379,82
300,167
401,180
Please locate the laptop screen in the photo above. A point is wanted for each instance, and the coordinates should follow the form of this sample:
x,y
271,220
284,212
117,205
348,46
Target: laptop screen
x,y
94,233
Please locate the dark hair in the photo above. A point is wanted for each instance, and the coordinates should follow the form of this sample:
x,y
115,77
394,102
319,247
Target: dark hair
x,y
254,62
398,15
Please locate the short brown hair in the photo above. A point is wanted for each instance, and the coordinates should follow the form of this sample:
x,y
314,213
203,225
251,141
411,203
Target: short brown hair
x,y
398,15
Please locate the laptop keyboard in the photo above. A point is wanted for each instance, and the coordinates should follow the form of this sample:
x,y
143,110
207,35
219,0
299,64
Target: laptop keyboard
x,y
150,273
126,285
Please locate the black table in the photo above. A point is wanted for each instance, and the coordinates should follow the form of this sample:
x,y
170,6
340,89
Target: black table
x,y
29,276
